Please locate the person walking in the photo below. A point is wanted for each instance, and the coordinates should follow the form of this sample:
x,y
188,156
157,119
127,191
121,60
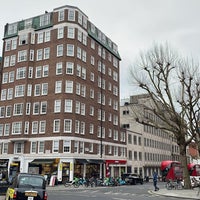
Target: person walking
x,y
155,180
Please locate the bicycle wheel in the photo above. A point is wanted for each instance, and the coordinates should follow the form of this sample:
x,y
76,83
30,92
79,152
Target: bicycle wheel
x,y
76,185
169,186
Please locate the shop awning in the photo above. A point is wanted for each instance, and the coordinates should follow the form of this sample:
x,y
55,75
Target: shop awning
x,y
81,161
121,162
43,161
89,161
94,161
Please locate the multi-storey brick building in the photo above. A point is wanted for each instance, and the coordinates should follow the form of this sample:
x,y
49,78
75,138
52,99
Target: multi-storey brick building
x,y
59,108
147,145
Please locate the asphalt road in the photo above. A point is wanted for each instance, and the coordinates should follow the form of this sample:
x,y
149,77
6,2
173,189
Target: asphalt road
x,y
133,192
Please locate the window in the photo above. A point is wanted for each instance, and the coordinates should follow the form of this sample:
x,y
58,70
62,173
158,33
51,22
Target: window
x,y
76,144
115,151
34,127
71,32
67,125
22,56
45,70
12,28
90,147
40,38
91,128
5,77
92,93
36,108
68,105
79,36
3,94
91,110
61,15
66,146
44,88
31,55
77,109
47,36
28,108
92,60
82,109
14,44
78,52
30,72
19,90
84,56
71,15
58,87
60,50
56,126
12,60
16,128
18,109
81,144
5,148
60,33
58,68
8,111
45,19
19,147
83,74
82,128
11,76
83,90
38,73
77,126
57,106
23,39
78,88
55,146
43,107
39,54
1,129
2,111
21,73
70,50
37,90
46,53
6,61
7,45
69,68
69,86
41,147
33,147
26,127
6,129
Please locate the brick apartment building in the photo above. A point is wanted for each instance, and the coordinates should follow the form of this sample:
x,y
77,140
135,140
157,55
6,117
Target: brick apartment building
x,y
147,145
59,108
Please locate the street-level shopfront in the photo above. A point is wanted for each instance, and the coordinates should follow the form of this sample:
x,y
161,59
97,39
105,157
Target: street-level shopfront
x,y
65,168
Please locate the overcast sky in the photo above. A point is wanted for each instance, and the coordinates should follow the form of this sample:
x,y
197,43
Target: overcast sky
x,y
134,25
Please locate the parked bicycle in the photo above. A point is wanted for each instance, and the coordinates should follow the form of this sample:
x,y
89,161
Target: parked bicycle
x,y
174,184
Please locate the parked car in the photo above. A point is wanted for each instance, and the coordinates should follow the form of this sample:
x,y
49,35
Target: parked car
x,y
132,179
26,186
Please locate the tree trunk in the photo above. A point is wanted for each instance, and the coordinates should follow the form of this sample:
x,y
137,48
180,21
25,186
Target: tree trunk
x,y
183,159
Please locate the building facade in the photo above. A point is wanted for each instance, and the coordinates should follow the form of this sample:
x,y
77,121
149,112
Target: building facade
x,y
59,108
147,146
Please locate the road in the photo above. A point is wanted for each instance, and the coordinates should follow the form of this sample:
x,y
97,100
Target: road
x,y
133,192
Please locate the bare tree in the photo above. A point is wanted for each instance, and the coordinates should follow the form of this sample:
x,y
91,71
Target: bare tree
x,y
173,85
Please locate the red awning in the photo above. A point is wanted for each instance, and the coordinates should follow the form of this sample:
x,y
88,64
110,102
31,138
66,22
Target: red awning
x,y
121,162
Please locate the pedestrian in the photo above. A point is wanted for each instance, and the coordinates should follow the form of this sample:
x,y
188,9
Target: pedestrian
x,y
155,180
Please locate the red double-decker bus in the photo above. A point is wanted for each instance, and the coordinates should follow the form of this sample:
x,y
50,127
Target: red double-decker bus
x,y
171,170
194,169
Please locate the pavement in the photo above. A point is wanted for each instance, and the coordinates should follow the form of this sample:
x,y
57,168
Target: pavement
x,y
182,193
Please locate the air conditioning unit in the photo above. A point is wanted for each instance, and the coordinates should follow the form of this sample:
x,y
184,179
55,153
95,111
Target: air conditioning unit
x,y
86,149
